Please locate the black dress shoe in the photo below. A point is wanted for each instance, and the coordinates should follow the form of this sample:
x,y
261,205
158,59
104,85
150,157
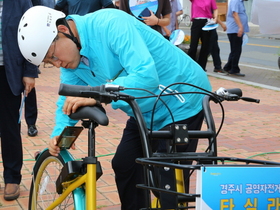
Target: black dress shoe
x,y
237,74
32,130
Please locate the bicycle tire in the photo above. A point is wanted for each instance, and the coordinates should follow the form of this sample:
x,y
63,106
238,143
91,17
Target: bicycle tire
x,y
43,186
187,20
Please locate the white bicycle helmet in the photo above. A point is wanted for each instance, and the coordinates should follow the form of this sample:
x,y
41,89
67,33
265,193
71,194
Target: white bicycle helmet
x,y
36,32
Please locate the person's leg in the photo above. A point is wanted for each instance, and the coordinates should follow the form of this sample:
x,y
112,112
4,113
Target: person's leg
x,y
236,53
128,173
215,50
11,144
31,112
228,65
204,51
194,123
195,36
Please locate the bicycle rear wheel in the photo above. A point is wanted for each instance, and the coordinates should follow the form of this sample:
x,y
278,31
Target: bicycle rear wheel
x,y
43,186
187,20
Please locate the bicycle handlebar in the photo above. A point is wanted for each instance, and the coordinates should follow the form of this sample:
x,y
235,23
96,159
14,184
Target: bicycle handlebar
x,y
108,92
234,95
101,93
77,90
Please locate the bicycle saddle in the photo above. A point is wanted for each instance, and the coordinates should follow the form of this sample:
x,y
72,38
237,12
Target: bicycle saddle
x,y
94,113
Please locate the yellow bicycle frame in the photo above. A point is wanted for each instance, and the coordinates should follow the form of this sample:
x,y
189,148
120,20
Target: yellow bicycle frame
x,y
90,188
180,186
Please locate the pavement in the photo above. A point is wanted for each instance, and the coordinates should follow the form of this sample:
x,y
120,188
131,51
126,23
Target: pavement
x,y
250,130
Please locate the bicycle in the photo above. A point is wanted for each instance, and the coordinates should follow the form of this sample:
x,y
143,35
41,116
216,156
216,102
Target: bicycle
x,y
180,166
67,187
186,19
63,175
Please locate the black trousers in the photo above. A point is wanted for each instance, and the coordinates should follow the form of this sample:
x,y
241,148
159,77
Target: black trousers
x,y
215,50
235,53
30,108
128,173
204,36
11,144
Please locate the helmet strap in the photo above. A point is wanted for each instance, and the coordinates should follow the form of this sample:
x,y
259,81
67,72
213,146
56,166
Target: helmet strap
x,y
71,36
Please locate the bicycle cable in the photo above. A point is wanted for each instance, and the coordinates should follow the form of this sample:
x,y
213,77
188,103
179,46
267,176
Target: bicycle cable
x,y
163,93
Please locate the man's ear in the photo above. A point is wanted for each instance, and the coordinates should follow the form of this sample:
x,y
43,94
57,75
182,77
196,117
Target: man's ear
x,y
63,28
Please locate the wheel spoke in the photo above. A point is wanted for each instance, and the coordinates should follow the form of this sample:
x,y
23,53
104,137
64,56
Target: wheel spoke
x,y
43,187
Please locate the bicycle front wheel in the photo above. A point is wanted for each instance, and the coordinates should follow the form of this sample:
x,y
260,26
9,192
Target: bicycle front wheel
x,y
43,186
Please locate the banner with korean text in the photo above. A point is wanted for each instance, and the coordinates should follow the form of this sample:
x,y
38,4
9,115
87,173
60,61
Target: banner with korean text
x,y
238,187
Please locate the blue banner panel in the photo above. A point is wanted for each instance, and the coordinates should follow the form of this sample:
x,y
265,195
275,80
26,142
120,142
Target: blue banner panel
x,y
238,188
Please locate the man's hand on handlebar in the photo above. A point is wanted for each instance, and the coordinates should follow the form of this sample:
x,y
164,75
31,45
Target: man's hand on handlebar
x,y
73,103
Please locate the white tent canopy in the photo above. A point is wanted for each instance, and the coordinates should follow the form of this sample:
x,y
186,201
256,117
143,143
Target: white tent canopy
x,y
266,14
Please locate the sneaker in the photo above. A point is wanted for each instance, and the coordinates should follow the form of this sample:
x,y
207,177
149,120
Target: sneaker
x,y
237,74
220,71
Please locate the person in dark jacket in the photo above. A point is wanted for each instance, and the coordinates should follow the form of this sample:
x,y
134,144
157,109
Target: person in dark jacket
x,y
16,75
82,7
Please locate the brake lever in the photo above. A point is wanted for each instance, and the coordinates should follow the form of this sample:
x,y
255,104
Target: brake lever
x,y
232,97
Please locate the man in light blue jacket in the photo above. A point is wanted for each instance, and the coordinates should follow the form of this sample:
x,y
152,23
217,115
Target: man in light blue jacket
x,y
111,46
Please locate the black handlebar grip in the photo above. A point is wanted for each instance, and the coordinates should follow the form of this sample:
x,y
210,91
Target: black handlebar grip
x,y
251,99
76,90
236,91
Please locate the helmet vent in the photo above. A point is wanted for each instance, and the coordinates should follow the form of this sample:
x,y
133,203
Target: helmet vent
x,y
22,37
34,54
25,25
